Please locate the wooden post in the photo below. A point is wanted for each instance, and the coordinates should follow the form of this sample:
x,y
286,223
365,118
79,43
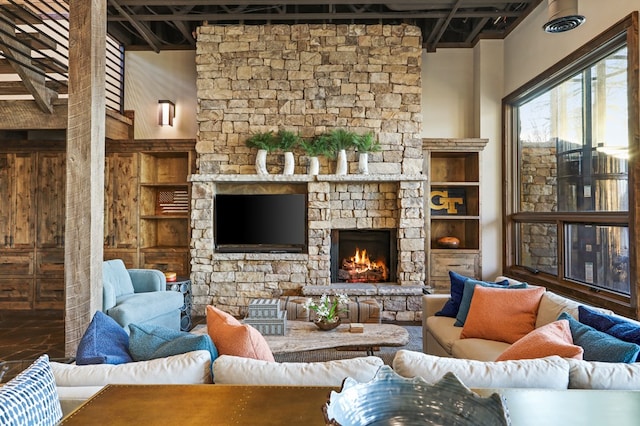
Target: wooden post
x,y
85,167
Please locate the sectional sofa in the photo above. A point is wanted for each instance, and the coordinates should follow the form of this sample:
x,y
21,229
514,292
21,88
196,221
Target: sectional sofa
x,y
444,340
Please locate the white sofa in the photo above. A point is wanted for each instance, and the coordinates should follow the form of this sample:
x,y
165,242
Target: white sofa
x,y
76,383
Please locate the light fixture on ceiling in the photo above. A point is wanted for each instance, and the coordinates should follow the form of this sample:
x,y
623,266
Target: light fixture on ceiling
x,y
563,16
166,112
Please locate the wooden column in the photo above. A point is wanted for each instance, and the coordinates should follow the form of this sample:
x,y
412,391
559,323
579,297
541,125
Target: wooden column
x,y
85,167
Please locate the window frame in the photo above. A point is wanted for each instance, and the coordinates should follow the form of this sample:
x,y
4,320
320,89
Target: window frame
x,y
626,30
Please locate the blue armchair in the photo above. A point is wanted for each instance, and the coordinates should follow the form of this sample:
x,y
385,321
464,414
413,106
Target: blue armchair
x,y
139,296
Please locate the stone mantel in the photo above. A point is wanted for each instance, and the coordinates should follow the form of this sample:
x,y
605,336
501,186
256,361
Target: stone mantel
x,y
304,178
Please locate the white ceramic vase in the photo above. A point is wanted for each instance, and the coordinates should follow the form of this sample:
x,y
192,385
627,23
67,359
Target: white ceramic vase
x,y
363,163
341,165
314,166
289,163
261,162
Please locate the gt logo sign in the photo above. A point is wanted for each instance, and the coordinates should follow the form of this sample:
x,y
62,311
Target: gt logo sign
x,y
440,200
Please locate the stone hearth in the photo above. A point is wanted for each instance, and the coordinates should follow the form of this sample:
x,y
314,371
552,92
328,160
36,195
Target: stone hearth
x,y
309,78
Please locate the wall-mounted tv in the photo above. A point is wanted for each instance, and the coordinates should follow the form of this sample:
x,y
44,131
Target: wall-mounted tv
x,y
249,223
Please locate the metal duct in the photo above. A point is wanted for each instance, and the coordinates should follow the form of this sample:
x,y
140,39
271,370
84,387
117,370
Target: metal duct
x,y
563,16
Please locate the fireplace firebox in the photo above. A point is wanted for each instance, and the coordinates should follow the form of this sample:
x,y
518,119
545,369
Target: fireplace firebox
x,y
363,256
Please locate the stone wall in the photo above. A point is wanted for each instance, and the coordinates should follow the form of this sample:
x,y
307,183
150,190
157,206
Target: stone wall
x,y
310,79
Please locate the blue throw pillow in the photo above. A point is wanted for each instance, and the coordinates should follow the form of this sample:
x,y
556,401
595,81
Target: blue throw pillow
x,y
150,342
599,346
467,295
613,326
31,398
104,342
451,308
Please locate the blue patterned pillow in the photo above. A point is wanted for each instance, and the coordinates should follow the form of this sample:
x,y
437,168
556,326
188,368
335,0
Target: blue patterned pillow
x,y
104,342
467,295
149,342
613,326
31,397
599,346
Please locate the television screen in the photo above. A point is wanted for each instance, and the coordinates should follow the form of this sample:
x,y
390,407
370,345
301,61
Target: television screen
x,y
260,222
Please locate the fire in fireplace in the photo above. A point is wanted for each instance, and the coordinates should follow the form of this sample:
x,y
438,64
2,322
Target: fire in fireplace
x,y
363,256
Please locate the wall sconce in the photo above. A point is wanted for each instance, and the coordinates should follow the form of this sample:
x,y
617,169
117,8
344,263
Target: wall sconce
x,y
166,112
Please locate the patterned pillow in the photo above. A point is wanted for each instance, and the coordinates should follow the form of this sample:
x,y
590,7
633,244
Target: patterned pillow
x,y
31,397
599,346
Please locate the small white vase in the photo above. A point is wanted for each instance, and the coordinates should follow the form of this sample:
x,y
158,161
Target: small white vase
x,y
363,163
261,162
289,163
314,166
341,165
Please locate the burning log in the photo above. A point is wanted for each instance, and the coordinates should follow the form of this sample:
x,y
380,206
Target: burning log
x,y
359,268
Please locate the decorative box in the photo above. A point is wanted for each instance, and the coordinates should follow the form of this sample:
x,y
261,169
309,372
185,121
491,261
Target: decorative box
x,y
269,326
266,316
264,308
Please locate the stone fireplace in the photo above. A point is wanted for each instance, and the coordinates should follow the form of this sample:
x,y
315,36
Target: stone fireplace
x,y
310,78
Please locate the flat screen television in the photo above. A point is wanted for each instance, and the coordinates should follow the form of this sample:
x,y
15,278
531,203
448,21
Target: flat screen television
x,y
263,223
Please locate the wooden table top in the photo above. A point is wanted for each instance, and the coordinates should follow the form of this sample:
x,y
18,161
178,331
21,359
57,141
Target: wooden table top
x,y
305,336
302,405
196,405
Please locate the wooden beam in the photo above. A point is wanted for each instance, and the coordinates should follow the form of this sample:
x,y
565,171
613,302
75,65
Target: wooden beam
x,y
34,82
84,227
25,115
19,87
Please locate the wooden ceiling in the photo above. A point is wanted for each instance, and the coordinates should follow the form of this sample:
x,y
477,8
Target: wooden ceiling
x,y
170,24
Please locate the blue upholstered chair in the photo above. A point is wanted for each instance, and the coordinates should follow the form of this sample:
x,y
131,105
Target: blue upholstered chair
x,y
139,296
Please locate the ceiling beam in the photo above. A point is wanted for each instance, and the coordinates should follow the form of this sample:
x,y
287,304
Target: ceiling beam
x,y
144,32
416,4
215,17
431,45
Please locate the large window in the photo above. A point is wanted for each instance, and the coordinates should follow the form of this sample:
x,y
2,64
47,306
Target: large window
x,y
569,219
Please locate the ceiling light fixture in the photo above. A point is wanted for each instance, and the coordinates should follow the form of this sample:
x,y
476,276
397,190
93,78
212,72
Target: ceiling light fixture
x,y
563,16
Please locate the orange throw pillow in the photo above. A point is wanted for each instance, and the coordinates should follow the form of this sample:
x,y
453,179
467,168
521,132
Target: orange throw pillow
x,y
551,339
504,315
231,337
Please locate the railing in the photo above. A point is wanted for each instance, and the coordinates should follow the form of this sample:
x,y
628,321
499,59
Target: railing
x,y
34,39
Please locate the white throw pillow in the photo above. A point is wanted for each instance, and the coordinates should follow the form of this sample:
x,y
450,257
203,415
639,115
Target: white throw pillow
x,y
550,372
189,368
234,370
603,375
552,305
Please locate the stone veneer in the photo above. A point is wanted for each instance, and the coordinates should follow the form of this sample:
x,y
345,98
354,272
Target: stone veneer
x,y
310,79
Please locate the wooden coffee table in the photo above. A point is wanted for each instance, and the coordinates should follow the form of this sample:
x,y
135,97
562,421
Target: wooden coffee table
x,y
305,336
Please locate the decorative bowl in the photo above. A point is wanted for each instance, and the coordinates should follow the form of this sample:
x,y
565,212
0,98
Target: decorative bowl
x,y
389,399
448,242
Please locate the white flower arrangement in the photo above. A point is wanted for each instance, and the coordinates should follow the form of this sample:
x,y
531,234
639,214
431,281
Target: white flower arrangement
x,y
328,308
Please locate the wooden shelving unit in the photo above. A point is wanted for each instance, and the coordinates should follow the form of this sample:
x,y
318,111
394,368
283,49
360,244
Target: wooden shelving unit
x,y
453,208
160,211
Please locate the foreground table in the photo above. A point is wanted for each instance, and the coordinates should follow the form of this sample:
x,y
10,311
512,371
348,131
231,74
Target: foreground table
x,y
302,405
196,405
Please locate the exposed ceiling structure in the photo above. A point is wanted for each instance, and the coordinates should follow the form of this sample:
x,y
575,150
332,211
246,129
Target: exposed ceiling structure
x,y
171,24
